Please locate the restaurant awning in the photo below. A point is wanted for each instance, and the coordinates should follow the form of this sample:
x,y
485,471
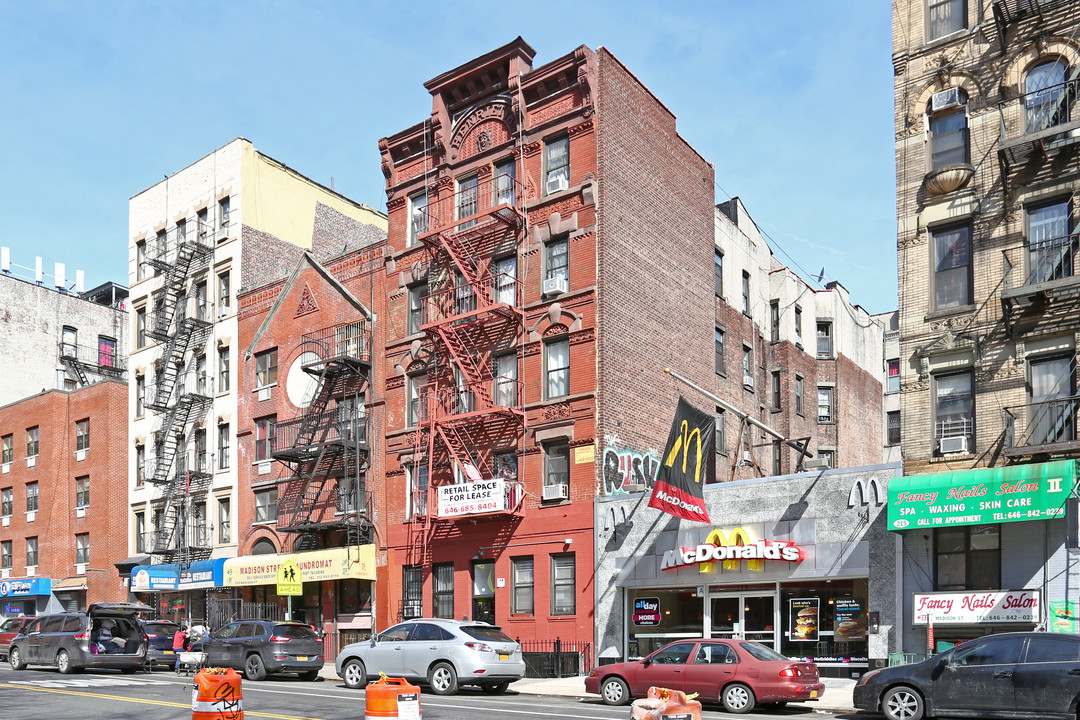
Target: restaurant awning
x,y
177,576
1014,493
70,584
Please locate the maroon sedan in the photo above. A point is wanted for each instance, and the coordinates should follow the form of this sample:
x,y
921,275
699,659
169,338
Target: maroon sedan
x,y
9,629
738,673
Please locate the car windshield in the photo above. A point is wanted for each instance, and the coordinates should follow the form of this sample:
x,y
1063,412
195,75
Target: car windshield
x,y
763,652
294,631
486,632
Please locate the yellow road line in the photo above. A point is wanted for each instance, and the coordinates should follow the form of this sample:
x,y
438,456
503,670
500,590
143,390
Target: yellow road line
x,y
163,703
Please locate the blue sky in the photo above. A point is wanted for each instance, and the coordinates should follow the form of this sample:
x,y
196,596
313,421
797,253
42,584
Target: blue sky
x,y
790,100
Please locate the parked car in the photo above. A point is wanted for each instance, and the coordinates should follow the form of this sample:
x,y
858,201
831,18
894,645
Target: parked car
x,y
9,629
262,647
159,639
1016,675
741,674
107,635
443,654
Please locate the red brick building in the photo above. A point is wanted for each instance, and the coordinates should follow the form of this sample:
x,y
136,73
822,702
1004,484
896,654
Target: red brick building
x,y
63,498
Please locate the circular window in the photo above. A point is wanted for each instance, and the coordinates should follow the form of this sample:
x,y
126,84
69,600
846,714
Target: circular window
x,y
299,385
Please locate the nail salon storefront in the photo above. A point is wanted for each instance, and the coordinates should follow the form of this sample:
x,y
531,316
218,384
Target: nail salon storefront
x,y
802,563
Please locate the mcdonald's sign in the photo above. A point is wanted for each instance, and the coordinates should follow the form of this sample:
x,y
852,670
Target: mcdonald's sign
x,y
731,548
687,464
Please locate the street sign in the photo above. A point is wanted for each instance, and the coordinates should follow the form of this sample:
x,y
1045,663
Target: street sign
x,y
289,579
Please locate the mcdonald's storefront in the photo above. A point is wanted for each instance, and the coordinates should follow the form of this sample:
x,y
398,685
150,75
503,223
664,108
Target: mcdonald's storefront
x,y
802,563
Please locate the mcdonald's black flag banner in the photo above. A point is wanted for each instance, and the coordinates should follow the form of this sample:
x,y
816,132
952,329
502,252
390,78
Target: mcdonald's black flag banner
x,y
687,464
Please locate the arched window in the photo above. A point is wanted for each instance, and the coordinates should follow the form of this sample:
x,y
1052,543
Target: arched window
x,y
263,547
1045,97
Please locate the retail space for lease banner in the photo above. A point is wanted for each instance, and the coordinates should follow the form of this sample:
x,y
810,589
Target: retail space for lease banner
x,y
802,563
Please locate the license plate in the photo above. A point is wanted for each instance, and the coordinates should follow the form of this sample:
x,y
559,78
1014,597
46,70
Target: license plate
x,y
167,652
504,656
302,658
813,693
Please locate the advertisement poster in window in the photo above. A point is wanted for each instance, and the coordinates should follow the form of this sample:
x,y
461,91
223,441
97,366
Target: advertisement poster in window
x,y
803,619
647,611
1063,616
849,619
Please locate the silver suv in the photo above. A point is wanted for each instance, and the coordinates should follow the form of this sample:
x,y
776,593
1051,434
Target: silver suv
x,y
444,654
107,635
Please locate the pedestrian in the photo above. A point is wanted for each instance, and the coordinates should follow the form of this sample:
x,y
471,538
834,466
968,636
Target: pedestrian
x,y
179,641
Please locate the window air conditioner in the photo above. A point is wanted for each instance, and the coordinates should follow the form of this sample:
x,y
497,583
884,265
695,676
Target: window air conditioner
x,y
945,99
953,445
555,286
223,311
555,184
555,492
748,380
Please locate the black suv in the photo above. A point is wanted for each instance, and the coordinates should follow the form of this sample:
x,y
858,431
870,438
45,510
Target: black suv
x,y
259,647
107,635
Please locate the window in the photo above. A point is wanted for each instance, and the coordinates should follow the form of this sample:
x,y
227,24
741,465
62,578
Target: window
x,y
223,369
31,552
417,491
32,442
140,260
82,434
223,446
442,587
521,585
224,518
201,464
1046,97
776,457
953,405
556,369
721,431
827,457
266,368
948,138
7,502
417,307
412,592
82,548
556,164
774,320
140,395
719,351
224,291
798,324
224,210
140,465
140,328
505,193
5,554
824,404
892,427
952,266
967,558
140,532
718,273
353,596
106,356
202,223
7,449
82,492
418,218
181,232
464,295
946,17
504,391
266,505
1051,251
892,381
775,388
415,388
468,194
556,464
1047,648
557,258
748,366
1051,388
563,601
505,277
746,293
799,394
265,429
824,340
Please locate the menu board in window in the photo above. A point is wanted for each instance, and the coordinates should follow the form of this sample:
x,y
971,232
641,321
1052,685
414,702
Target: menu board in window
x,y
803,619
849,619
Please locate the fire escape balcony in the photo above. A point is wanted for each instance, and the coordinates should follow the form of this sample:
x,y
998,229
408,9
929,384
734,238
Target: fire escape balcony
x,y
1039,278
194,470
471,212
1010,12
465,404
335,509
101,360
300,439
1039,123
347,345
461,303
185,241
490,499
1042,428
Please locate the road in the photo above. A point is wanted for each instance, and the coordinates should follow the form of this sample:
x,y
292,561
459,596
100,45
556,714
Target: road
x,y
44,694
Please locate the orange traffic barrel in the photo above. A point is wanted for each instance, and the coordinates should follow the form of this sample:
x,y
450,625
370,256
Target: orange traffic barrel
x,y
392,698
216,695
662,702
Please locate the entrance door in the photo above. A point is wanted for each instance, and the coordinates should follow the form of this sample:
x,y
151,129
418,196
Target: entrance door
x,y
483,602
752,617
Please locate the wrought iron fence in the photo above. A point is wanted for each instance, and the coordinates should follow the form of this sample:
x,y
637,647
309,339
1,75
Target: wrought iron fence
x,y
556,658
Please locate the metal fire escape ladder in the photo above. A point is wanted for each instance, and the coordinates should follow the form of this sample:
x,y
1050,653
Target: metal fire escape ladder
x,y
463,360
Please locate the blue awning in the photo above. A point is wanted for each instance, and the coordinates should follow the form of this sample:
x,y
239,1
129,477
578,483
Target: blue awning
x,y
178,576
26,587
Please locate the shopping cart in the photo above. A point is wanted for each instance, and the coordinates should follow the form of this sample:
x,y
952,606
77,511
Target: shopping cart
x,y
190,662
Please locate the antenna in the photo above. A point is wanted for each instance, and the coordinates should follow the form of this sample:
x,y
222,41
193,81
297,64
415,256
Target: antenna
x,y
58,275
5,259
80,281
38,274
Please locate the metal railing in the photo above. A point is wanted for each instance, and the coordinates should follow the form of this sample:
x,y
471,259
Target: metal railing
x,y
94,357
1041,262
346,340
470,206
161,250
197,462
191,382
1038,111
953,428
462,298
556,658
1049,422
331,426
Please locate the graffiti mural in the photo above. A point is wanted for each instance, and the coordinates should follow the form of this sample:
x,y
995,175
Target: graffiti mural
x,y
623,468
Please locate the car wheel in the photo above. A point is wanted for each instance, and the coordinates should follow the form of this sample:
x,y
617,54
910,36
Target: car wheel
x,y
63,663
738,698
254,668
614,691
309,675
354,674
443,679
15,658
495,688
902,703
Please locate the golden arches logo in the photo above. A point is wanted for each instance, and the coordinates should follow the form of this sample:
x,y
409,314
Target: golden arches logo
x,y
738,536
682,443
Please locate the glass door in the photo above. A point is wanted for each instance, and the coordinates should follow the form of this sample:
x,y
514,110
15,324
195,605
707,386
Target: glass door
x,y
752,617
726,617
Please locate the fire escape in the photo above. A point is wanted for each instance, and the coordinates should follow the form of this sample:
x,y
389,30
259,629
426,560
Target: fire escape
x,y
327,444
181,393
472,321
84,362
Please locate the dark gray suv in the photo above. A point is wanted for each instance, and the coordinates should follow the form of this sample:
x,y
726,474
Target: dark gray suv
x,y
259,647
107,635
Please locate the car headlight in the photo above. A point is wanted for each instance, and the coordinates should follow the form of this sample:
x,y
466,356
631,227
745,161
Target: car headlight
x,y
865,678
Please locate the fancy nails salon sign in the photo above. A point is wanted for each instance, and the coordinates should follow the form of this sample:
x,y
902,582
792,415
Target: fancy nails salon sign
x,y
731,548
974,608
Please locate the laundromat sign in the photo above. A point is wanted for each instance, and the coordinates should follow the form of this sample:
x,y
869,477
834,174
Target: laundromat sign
x,y
988,495
731,548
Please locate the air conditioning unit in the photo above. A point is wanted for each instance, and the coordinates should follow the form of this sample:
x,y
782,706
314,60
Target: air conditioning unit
x,y
223,311
748,380
953,445
945,99
555,184
555,492
555,286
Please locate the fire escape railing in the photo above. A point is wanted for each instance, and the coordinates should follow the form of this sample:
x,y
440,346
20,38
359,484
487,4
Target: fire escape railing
x,y
81,359
1047,425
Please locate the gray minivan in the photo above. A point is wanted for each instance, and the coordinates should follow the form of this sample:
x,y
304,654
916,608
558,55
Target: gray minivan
x,y
107,635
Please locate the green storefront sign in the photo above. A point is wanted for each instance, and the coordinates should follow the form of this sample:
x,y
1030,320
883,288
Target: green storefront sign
x,y
987,495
